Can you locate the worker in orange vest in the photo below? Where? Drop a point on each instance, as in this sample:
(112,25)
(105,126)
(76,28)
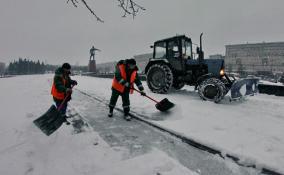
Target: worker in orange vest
(61,86)
(123,82)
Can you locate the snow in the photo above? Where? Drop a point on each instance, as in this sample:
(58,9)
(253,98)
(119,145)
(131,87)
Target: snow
(251,129)
(271,83)
(24,149)
(163,165)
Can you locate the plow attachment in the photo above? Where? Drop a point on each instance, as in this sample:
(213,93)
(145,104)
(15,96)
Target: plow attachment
(244,87)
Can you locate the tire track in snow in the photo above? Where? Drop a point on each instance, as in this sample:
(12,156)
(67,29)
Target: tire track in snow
(6,150)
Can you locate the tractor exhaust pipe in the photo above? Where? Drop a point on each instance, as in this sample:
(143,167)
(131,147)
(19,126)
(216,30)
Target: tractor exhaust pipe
(199,51)
(200,39)
(201,54)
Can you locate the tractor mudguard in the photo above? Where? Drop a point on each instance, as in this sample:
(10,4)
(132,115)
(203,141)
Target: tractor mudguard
(203,77)
(244,87)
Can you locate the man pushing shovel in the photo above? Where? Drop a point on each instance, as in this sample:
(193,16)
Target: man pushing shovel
(61,91)
(61,87)
(123,83)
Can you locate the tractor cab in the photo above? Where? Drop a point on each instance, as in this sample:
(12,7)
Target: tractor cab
(176,50)
(174,47)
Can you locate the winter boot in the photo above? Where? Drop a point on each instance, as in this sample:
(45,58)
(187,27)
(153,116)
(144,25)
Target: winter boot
(127,116)
(65,120)
(110,114)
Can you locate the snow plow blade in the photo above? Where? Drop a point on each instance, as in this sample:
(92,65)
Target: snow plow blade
(49,121)
(244,87)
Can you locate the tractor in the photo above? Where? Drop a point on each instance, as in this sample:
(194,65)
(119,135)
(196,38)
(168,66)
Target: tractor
(174,65)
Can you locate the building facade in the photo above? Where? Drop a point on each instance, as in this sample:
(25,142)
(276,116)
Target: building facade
(217,56)
(258,58)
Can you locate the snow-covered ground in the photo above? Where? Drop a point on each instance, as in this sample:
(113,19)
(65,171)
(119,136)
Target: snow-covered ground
(251,129)
(271,83)
(24,149)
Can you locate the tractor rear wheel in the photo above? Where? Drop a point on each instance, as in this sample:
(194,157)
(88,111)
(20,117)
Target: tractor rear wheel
(212,89)
(159,78)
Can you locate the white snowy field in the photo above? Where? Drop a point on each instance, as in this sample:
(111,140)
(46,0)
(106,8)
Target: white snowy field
(251,129)
(24,149)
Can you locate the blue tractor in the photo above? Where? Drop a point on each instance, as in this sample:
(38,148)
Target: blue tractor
(174,65)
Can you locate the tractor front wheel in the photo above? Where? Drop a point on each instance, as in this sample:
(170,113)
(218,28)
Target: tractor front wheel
(159,78)
(212,89)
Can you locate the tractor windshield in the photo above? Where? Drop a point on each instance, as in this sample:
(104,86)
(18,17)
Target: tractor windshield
(186,49)
(160,50)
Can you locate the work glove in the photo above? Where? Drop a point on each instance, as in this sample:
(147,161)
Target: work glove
(141,88)
(69,90)
(74,82)
(127,84)
(142,93)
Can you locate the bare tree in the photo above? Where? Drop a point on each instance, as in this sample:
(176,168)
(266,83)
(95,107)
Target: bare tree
(2,69)
(129,7)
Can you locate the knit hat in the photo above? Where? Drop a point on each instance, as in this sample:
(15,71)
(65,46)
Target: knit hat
(66,66)
(131,61)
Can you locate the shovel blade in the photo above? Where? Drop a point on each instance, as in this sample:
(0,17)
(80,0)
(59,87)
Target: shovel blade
(50,121)
(244,87)
(164,105)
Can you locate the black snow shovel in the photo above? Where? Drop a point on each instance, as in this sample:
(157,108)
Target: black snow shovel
(52,119)
(163,105)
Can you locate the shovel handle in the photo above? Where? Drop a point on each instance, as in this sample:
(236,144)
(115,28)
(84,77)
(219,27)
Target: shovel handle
(146,96)
(62,103)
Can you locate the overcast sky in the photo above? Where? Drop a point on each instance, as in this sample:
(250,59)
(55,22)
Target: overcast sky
(56,32)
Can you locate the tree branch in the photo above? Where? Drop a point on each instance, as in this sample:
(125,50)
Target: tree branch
(75,2)
(129,7)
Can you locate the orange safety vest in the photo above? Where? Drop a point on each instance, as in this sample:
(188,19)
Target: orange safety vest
(57,94)
(119,87)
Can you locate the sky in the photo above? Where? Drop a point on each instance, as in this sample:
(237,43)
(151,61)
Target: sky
(56,32)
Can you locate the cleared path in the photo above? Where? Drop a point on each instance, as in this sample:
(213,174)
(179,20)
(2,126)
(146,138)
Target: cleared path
(137,138)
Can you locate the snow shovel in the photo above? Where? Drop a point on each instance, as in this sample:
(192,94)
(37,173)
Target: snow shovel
(163,105)
(52,119)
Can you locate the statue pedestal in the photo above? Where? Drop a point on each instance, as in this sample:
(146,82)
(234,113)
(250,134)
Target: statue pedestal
(92,66)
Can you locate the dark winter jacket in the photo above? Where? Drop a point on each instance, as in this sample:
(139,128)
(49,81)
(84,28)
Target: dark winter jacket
(58,81)
(119,78)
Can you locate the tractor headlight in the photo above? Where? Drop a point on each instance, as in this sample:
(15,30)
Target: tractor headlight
(222,72)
